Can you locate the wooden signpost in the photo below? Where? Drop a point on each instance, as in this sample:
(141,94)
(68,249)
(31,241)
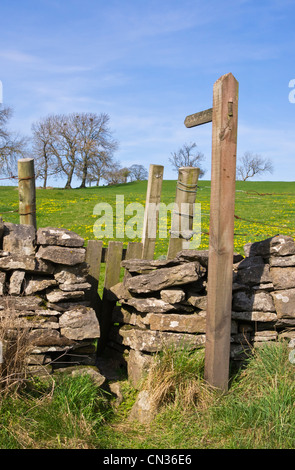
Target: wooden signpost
(224,116)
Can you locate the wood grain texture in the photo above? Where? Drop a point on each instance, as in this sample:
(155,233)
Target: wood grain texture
(222,204)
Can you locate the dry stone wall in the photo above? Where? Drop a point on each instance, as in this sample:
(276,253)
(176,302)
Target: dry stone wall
(164,302)
(44,287)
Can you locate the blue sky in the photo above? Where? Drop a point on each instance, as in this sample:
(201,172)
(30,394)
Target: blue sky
(148,64)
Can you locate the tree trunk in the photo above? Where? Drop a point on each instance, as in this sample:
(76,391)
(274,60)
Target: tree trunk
(84,176)
(69,180)
(45,174)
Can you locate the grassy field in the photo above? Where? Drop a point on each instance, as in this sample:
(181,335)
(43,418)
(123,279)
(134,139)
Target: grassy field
(265,209)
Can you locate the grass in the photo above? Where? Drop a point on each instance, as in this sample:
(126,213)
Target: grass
(257,412)
(268,208)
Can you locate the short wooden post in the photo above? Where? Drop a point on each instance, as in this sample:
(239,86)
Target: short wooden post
(185,194)
(27,192)
(221,239)
(93,258)
(151,214)
(112,277)
(134,251)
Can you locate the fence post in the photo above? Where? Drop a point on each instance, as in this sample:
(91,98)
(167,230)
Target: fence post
(112,277)
(151,213)
(93,258)
(27,192)
(134,251)
(185,194)
(221,238)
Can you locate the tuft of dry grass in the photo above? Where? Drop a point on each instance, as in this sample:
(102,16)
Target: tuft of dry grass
(15,349)
(176,377)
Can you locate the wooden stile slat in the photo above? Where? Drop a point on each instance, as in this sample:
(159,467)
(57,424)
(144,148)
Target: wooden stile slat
(151,214)
(185,194)
(134,251)
(112,277)
(93,259)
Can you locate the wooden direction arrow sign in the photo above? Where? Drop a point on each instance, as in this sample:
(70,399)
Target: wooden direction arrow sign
(198,119)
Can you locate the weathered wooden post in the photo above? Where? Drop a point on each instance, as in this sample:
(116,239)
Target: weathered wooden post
(93,258)
(221,232)
(224,116)
(151,214)
(134,251)
(183,213)
(27,192)
(112,277)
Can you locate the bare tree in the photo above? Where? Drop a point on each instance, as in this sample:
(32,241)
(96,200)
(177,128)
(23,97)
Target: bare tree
(78,144)
(186,156)
(96,143)
(116,174)
(253,164)
(43,140)
(56,137)
(12,145)
(138,173)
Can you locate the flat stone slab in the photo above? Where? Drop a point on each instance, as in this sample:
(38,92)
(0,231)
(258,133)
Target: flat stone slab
(16,281)
(138,365)
(152,341)
(71,274)
(143,266)
(155,305)
(2,283)
(254,316)
(38,284)
(284,301)
(280,245)
(182,323)
(12,262)
(172,296)
(165,277)
(20,303)
(202,256)
(283,278)
(58,236)
(58,295)
(75,371)
(48,338)
(198,301)
(249,301)
(19,239)
(62,255)
(80,323)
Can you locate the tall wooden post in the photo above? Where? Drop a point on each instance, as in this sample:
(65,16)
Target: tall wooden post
(93,258)
(112,277)
(221,239)
(151,214)
(27,192)
(185,194)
